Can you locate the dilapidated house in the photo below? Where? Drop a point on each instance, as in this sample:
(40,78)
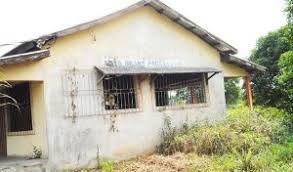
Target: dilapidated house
(102,89)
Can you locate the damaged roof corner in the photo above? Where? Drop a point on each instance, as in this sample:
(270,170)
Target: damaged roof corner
(24,57)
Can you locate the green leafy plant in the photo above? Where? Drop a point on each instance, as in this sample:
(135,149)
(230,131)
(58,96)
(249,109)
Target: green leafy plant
(285,80)
(232,91)
(266,89)
(37,153)
(235,144)
(212,139)
(107,166)
(169,144)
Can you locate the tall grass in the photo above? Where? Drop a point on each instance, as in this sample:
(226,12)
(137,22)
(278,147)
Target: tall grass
(240,142)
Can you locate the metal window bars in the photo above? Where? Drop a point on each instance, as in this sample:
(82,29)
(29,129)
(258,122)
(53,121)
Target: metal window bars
(173,90)
(119,92)
(84,95)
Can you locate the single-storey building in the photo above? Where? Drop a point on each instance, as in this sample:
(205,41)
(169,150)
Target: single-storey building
(102,89)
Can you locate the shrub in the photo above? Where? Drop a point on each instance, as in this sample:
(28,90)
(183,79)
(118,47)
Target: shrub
(37,153)
(276,157)
(264,122)
(169,144)
(210,139)
(107,166)
(227,162)
(245,141)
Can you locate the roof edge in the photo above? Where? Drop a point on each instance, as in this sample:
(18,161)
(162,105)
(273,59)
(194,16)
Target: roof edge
(118,70)
(24,57)
(249,66)
(161,8)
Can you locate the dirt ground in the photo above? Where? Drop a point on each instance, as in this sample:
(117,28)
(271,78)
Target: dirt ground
(178,162)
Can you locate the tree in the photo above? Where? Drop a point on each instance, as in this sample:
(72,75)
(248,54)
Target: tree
(266,89)
(232,91)
(289,11)
(285,80)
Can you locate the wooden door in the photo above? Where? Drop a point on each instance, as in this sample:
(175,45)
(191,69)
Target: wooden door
(3,141)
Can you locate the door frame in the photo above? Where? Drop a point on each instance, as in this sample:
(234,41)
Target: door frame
(3,133)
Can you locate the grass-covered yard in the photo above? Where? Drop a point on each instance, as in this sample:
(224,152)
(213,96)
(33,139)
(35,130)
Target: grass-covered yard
(245,141)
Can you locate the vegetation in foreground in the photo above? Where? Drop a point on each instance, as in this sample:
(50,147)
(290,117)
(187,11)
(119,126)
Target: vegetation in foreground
(245,141)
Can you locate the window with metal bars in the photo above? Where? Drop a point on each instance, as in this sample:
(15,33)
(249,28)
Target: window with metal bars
(119,92)
(179,89)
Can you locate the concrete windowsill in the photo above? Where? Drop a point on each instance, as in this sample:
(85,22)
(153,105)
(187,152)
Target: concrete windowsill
(21,133)
(190,106)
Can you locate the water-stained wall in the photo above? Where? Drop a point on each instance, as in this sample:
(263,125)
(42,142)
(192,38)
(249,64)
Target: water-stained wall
(141,34)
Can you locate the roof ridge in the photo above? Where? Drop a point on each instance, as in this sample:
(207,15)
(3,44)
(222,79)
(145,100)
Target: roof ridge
(158,6)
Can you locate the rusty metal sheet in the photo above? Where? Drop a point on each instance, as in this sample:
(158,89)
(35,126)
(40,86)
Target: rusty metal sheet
(25,57)
(108,70)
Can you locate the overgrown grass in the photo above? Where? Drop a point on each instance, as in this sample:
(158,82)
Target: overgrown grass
(258,141)
(245,141)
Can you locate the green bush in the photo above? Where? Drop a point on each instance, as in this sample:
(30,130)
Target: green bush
(169,144)
(245,141)
(107,166)
(276,157)
(212,139)
(227,162)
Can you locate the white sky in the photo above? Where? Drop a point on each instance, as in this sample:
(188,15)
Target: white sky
(238,22)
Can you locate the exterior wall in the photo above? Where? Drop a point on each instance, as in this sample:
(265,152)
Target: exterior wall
(22,145)
(141,34)
(31,71)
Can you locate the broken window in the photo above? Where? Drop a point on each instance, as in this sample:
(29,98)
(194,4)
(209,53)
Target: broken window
(20,119)
(179,89)
(119,92)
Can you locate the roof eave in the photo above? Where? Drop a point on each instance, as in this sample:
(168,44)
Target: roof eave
(215,42)
(222,46)
(163,9)
(249,66)
(24,57)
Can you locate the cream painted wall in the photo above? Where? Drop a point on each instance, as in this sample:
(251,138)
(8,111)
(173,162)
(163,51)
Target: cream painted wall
(22,145)
(141,34)
(30,71)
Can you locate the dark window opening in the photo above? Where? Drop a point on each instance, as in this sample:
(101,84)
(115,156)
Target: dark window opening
(119,92)
(20,119)
(179,89)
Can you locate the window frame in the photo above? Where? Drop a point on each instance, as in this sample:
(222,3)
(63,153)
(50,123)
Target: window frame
(138,99)
(22,133)
(183,106)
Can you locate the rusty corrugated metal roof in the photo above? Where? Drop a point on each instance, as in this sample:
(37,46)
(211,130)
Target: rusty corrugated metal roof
(160,7)
(24,57)
(112,70)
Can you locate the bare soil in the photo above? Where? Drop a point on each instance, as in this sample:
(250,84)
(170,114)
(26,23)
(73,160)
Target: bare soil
(178,162)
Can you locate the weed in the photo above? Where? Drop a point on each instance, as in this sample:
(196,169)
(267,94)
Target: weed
(107,166)
(37,153)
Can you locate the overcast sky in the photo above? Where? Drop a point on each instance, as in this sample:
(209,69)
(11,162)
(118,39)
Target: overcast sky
(238,22)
